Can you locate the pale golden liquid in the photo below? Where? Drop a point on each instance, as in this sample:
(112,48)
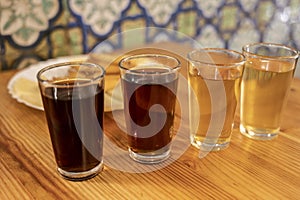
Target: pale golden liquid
(263,95)
(199,129)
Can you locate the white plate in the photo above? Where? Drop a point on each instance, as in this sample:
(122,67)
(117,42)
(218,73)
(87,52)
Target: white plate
(30,73)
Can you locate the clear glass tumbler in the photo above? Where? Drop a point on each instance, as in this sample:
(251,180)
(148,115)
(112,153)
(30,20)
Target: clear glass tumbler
(73,99)
(214,79)
(149,83)
(268,74)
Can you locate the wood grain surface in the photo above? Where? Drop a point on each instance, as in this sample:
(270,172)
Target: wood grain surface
(247,169)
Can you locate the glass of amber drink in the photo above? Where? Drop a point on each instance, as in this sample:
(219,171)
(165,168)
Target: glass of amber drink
(266,81)
(214,79)
(149,83)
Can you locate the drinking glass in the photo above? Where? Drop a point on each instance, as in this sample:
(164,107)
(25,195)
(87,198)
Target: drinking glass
(149,84)
(72,95)
(214,79)
(268,74)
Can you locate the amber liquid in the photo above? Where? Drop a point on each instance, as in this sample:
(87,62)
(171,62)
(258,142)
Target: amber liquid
(140,95)
(68,111)
(263,95)
(200,129)
(213,96)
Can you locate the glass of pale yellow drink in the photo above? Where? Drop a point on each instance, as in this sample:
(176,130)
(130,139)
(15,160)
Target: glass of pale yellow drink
(266,81)
(214,80)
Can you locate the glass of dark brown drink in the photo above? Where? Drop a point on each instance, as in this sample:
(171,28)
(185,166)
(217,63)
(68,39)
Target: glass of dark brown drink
(149,84)
(73,99)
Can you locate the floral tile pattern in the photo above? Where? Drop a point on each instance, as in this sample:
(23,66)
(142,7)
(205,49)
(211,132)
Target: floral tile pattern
(24,20)
(34,30)
(209,37)
(209,8)
(160,11)
(99,15)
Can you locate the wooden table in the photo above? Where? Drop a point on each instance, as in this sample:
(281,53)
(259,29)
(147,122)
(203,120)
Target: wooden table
(247,169)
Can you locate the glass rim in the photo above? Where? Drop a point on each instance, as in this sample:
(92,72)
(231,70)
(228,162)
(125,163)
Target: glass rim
(71,63)
(217,65)
(246,49)
(172,69)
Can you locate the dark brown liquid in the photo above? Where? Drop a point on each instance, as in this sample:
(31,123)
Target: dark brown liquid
(144,96)
(76,136)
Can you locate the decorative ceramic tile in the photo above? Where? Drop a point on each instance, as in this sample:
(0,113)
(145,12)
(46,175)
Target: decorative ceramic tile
(229,18)
(132,38)
(160,11)
(282,3)
(209,37)
(186,22)
(277,32)
(246,33)
(248,5)
(34,30)
(25,20)
(99,15)
(264,13)
(209,8)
